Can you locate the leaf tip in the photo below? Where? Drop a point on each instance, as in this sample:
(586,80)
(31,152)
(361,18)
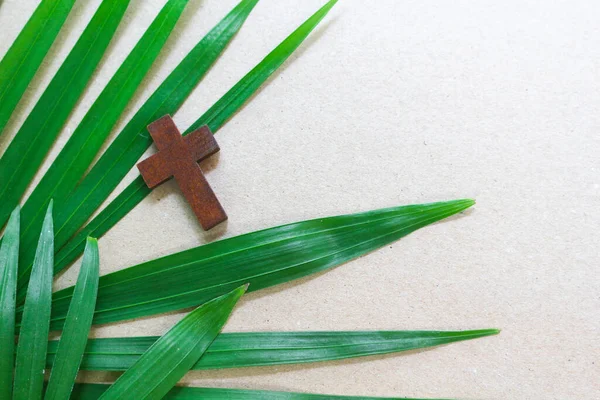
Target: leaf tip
(15,215)
(240,291)
(250,3)
(461,204)
(48,221)
(486,332)
(467,202)
(329,5)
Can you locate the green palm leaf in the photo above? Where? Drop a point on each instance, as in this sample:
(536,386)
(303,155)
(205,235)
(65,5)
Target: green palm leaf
(171,357)
(27,52)
(33,340)
(90,195)
(69,351)
(252,349)
(93,392)
(9,264)
(263,259)
(223,109)
(27,150)
(85,142)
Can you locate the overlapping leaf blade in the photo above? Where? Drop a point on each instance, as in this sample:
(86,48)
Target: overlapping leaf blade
(9,264)
(23,59)
(157,371)
(215,117)
(70,348)
(85,142)
(263,259)
(33,338)
(93,392)
(28,148)
(252,349)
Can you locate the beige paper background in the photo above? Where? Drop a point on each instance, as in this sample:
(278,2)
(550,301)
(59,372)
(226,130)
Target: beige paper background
(394,103)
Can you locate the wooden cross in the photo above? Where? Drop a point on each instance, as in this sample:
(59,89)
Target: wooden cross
(178,157)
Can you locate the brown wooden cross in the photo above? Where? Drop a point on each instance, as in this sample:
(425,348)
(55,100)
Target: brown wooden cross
(178,157)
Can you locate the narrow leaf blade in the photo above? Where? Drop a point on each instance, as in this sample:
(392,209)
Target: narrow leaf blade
(33,339)
(25,55)
(257,349)
(263,259)
(215,117)
(9,264)
(71,347)
(28,148)
(95,391)
(85,142)
(171,357)
(231,102)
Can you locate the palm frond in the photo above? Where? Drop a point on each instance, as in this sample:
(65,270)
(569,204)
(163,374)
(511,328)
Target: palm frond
(212,277)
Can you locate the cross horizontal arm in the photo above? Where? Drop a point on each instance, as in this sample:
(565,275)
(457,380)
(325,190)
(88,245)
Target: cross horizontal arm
(155,169)
(201,143)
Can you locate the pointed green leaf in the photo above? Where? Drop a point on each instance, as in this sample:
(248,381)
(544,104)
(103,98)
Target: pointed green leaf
(253,349)
(27,52)
(171,357)
(228,105)
(27,150)
(69,351)
(33,340)
(264,258)
(9,264)
(215,117)
(85,142)
(93,392)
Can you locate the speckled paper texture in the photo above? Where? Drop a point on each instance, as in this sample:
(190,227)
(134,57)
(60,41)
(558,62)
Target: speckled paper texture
(388,103)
